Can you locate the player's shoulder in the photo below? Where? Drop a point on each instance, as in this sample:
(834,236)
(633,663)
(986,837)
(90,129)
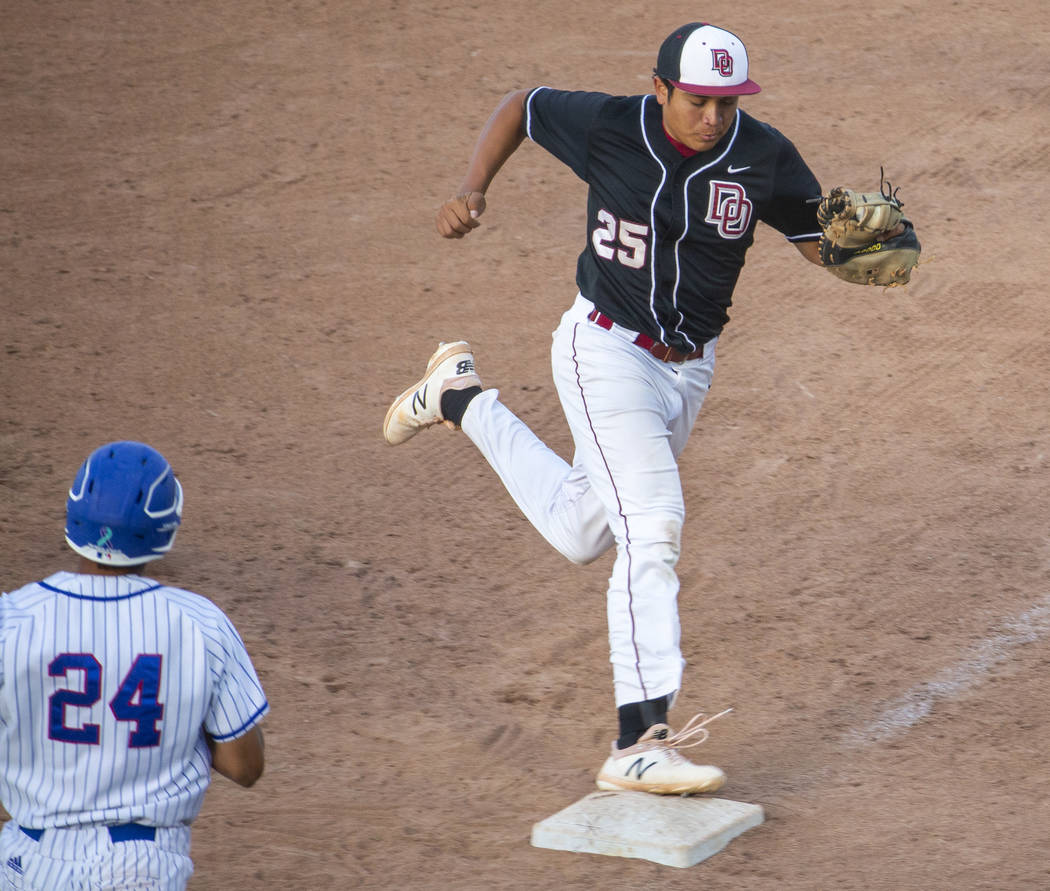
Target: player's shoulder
(760,143)
(185,596)
(550,94)
(204,617)
(576,101)
(753,129)
(22,604)
(33,592)
(196,607)
(17,594)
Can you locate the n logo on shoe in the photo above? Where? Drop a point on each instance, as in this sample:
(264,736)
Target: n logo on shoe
(419,400)
(465,366)
(637,768)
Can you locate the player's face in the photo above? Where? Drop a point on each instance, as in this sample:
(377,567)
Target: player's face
(696,121)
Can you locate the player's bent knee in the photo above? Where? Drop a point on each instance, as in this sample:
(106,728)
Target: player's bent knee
(581,556)
(582,552)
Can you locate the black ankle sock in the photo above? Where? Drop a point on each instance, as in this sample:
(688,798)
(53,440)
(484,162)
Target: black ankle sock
(637,717)
(455,402)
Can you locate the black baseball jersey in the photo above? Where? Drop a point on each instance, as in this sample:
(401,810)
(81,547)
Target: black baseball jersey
(667,234)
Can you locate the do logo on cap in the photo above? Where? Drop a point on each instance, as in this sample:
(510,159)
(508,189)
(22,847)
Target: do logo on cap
(707,61)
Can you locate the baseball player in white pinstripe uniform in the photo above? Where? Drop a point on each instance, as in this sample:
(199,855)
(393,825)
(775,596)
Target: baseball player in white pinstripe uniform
(118,695)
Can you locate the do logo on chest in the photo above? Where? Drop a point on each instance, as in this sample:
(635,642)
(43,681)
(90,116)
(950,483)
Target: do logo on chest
(729,208)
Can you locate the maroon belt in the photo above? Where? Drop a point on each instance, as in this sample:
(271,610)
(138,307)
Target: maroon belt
(662,351)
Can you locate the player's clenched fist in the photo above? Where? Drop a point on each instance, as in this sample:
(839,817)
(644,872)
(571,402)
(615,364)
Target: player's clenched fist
(459,215)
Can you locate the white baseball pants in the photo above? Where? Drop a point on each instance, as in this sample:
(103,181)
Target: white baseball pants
(630,415)
(87,859)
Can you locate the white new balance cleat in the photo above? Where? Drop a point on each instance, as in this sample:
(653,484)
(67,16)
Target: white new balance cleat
(450,368)
(654,764)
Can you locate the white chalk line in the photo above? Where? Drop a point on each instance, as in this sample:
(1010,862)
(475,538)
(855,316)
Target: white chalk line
(914,705)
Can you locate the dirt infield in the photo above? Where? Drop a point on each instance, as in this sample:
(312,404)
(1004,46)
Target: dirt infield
(216,235)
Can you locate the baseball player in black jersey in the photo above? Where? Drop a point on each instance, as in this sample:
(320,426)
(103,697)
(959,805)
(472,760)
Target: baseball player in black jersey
(678,180)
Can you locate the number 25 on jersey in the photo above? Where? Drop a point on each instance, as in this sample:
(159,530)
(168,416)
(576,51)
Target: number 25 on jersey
(630,236)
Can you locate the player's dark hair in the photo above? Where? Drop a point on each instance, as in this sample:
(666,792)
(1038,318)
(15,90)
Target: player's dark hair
(664,81)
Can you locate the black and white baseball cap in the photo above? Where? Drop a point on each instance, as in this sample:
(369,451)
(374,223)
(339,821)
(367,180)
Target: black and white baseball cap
(707,61)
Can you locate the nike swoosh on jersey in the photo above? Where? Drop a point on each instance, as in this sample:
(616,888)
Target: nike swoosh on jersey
(732,169)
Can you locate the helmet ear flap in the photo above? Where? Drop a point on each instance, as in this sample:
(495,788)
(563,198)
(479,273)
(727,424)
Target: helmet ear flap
(125,505)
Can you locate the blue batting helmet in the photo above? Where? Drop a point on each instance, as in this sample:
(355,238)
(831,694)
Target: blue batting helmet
(125,505)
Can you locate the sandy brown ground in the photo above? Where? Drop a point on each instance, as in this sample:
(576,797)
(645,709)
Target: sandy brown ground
(216,235)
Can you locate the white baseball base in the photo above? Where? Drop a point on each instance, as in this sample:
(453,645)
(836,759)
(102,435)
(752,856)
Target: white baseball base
(672,830)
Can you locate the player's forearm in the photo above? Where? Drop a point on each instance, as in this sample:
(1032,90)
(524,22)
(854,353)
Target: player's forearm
(240,759)
(499,139)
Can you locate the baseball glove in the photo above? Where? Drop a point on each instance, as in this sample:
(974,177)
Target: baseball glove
(866,238)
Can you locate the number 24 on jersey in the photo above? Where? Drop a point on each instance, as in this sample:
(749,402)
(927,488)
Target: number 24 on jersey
(135,700)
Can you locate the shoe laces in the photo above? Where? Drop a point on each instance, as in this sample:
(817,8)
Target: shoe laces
(694,732)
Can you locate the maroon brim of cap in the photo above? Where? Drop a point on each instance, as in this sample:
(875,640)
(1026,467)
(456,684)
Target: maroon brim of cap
(745,89)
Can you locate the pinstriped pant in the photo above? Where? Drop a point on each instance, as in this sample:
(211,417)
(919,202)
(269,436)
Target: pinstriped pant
(86,859)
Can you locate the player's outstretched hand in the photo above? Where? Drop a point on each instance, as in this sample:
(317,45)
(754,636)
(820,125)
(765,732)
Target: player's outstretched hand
(459,215)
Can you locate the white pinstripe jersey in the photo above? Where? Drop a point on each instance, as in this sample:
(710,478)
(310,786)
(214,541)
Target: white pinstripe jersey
(105,685)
